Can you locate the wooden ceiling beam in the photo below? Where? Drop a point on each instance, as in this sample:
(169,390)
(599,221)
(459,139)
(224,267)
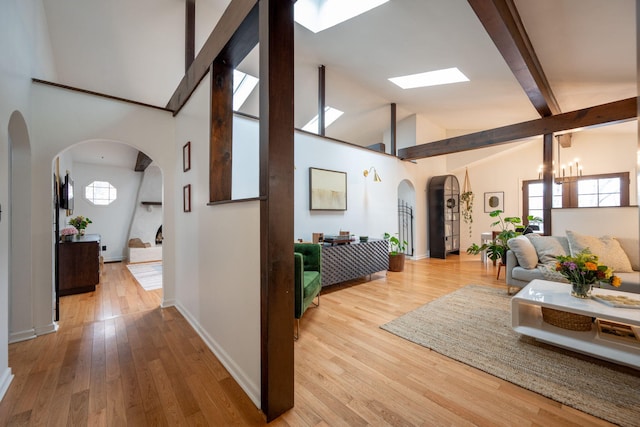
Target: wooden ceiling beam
(142,162)
(503,24)
(235,35)
(618,111)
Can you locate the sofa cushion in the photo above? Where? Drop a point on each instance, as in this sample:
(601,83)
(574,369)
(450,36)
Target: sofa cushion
(548,247)
(526,275)
(311,282)
(524,251)
(608,250)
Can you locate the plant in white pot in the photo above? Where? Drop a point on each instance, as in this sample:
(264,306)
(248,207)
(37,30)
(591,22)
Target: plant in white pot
(396,252)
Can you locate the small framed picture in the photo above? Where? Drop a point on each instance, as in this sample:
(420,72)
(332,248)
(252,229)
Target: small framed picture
(186,157)
(186,198)
(494,201)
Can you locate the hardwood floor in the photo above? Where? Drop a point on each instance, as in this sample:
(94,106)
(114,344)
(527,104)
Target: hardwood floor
(118,359)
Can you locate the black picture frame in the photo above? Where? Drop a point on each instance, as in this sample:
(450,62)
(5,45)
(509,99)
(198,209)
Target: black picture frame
(186,198)
(327,190)
(186,156)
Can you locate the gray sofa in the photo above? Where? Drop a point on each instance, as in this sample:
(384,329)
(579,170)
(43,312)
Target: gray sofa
(519,276)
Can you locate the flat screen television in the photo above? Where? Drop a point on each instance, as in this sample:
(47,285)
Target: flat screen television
(66,193)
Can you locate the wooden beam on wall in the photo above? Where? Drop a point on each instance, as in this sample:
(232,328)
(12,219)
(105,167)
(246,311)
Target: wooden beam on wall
(232,39)
(276,205)
(617,111)
(321,100)
(547,182)
(221,131)
(189,33)
(503,24)
(142,162)
(392,130)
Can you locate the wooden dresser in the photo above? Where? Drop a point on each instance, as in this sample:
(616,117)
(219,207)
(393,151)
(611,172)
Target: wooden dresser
(79,265)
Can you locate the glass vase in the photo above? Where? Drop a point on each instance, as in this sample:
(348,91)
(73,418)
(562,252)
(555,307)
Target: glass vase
(581,290)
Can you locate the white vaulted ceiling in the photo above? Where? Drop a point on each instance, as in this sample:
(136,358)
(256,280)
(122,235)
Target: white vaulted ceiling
(135,49)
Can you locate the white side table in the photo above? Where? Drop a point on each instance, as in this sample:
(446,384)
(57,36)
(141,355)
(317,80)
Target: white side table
(485,238)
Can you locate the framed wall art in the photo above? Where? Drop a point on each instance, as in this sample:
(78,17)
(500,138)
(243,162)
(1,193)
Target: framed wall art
(186,157)
(494,201)
(186,198)
(327,190)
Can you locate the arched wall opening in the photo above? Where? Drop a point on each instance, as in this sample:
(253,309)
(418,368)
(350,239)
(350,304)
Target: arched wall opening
(137,210)
(406,212)
(20,236)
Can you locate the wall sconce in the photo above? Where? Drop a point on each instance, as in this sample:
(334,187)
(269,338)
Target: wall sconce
(376,177)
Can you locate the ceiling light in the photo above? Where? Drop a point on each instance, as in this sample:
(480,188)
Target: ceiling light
(318,15)
(243,84)
(330,115)
(431,78)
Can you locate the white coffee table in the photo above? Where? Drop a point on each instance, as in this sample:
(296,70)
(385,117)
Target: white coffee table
(526,318)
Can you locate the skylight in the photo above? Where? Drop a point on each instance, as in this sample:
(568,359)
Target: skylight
(318,15)
(431,78)
(330,115)
(243,84)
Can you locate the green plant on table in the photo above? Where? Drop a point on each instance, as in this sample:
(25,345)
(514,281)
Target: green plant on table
(80,222)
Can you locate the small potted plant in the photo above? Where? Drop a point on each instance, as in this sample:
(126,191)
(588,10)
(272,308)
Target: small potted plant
(396,252)
(67,233)
(80,222)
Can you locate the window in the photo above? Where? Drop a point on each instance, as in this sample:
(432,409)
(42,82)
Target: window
(583,192)
(100,193)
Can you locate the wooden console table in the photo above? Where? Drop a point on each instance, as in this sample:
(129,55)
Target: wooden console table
(79,265)
(345,262)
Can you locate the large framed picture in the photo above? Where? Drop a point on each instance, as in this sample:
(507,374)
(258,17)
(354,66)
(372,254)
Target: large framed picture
(327,190)
(494,201)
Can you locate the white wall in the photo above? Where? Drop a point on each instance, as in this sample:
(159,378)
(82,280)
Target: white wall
(63,118)
(24,53)
(146,219)
(111,221)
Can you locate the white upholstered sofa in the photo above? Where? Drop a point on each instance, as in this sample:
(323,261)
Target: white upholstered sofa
(533,257)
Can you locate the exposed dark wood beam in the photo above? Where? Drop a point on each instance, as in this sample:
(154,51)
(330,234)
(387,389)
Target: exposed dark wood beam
(321,100)
(276,207)
(503,24)
(547,182)
(392,130)
(231,40)
(189,33)
(612,112)
(221,131)
(142,162)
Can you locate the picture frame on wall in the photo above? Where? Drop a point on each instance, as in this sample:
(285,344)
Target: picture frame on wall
(186,157)
(494,201)
(186,198)
(327,190)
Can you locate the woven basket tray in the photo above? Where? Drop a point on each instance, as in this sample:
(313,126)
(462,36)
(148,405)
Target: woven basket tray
(566,320)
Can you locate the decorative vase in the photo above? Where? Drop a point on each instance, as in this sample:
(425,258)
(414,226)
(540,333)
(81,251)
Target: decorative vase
(67,238)
(581,290)
(81,231)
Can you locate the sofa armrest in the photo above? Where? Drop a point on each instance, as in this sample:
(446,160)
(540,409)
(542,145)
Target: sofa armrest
(512,262)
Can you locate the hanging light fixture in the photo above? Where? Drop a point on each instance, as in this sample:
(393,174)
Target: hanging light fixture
(565,173)
(376,177)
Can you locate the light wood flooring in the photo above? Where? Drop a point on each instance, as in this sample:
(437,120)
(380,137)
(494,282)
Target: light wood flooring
(118,359)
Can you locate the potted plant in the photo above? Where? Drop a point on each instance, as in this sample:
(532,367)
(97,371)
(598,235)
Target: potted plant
(497,248)
(67,233)
(80,222)
(396,252)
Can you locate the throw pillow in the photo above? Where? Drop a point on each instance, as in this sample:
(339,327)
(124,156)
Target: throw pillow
(608,249)
(524,251)
(547,247)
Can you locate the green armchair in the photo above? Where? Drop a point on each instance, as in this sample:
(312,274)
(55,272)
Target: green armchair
(308,277)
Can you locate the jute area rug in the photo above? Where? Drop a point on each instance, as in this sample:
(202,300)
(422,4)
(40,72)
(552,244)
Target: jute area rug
(147,274)
(473,325)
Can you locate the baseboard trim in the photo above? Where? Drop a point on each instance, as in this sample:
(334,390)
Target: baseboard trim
(5,382)
(15,337)
(168,303)
(252,390)
(47,329)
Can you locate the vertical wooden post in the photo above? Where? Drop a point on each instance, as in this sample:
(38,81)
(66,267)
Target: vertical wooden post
(392,128)
(276,205)
(221,132)
(321,100)
(189,33)
(547,180)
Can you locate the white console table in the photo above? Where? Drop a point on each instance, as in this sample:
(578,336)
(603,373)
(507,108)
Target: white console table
(527,320)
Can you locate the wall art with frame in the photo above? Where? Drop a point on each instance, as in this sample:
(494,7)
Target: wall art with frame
(186,157)
(327,190)
(494,201)
(186,198)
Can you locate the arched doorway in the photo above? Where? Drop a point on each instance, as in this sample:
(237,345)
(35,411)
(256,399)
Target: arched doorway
(406,209)
(121,190)
(21,325)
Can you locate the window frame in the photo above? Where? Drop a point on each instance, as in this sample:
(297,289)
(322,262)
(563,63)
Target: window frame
(92,201)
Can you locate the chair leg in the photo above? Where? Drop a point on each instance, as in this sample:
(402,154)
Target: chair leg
(296,334)
(500,265)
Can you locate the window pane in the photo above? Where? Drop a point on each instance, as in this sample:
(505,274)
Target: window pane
(535,190)
(538,213)
(609,200)
(588,186)
(100,193)
(587,200)
(557,201)
(535,203)
(557,190)
(609,185)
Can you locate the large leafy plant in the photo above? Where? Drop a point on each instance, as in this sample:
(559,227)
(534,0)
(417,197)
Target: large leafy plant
(396,245)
